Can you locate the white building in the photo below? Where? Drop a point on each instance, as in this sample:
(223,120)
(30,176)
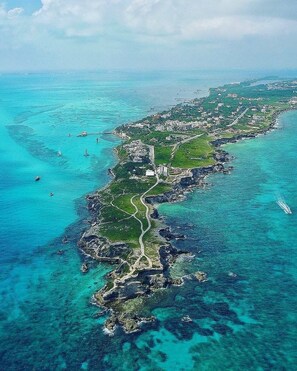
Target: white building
(149,173)
(162,170)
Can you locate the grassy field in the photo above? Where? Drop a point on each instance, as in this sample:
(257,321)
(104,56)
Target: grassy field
(123,202)
(162,154)
(135,186)
(214,115)
(126,230)
(195,153)
(160,189)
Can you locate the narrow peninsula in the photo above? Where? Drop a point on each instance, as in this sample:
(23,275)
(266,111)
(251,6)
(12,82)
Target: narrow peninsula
(160,158)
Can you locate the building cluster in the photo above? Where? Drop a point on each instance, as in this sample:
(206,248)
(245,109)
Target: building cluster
(213,115)
(176,125)
(221,114)
(284,85)
(161,170)
(137,151)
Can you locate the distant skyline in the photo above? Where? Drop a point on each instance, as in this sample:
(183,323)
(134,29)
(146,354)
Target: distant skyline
(40,35)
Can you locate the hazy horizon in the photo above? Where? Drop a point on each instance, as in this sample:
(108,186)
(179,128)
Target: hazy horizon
(48,35)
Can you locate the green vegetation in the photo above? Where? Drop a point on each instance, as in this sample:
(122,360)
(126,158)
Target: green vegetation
(123,202)
(127,185)
(196,153)
(122,153)
(122,231)
(160,189)
(162,154)
(170,144)
(128,168)
(156,154)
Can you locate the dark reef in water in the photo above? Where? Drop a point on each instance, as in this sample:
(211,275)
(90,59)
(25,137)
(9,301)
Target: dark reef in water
(146,281)
(138,274)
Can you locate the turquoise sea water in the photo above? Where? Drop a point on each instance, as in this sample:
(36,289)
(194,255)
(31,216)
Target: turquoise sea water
(46,318)
(239,228)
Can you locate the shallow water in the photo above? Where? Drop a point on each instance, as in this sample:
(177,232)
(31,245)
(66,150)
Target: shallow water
(239,228)
(45,312)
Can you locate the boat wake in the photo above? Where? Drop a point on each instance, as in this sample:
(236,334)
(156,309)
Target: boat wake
(284,206)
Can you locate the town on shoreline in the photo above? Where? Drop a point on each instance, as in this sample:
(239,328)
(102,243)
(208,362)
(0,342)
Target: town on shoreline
(160,158)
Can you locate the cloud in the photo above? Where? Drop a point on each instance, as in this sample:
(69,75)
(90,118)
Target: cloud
(76,18)
(206,20)
(8,14)
(111,30)
(158,20)
(14,12)
(11,26)
(229,28)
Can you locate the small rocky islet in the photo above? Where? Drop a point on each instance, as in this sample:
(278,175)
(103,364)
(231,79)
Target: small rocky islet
(161,158)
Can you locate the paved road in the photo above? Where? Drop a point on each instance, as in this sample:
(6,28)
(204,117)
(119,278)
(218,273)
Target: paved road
(238,118)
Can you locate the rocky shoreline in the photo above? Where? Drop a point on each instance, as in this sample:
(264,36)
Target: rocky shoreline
(147,280)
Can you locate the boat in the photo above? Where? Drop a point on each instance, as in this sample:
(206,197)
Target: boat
(86,154)
(285,207)
(59,154)
(37,178)
(83,134)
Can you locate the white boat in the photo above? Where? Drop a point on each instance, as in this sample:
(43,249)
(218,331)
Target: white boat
(282,204)
(83,134)
(59,153)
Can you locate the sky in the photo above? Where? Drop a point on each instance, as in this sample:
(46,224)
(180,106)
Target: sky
(147,34)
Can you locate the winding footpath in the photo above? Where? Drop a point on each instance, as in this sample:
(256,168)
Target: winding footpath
(149,224)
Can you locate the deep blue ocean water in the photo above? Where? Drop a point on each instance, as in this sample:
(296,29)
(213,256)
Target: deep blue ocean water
(234,225)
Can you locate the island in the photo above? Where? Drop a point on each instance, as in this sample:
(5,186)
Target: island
(160,159)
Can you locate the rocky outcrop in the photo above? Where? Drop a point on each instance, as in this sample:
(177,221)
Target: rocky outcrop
(126,282)
(129,324)
(155,214)
(121,287)
(159,199)
(169,235)
(144,281)
(99,248)
(235,138)
(194,180)
(94,204)
(201,276)
(222,156)
(168,255)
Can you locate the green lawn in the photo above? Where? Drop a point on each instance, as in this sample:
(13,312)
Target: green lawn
(160,189)
(195,153)
(134,186)
(126,230)
(162,154)
(123,202)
